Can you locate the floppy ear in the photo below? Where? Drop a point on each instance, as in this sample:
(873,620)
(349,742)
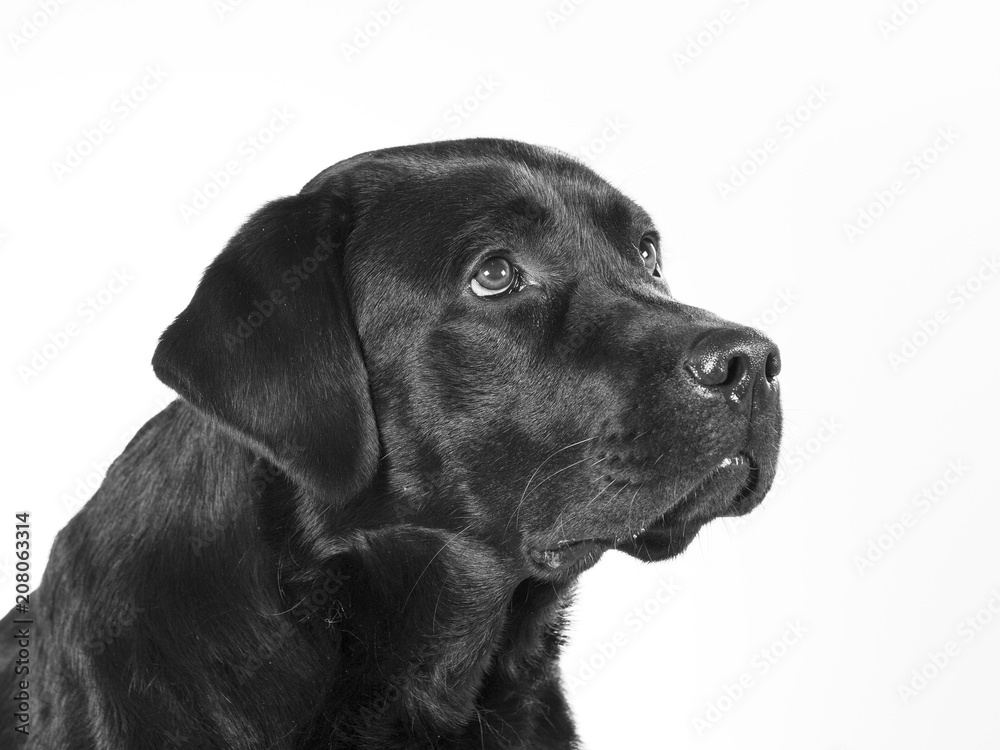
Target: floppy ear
(268,347)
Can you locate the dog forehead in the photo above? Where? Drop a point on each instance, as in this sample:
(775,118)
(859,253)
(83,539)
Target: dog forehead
(433,201)
(424,219)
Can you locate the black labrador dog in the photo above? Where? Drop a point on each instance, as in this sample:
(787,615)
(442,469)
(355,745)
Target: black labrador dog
(418,398)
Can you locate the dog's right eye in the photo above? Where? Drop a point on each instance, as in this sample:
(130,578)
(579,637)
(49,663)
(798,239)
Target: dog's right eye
(496,276)
(649,253)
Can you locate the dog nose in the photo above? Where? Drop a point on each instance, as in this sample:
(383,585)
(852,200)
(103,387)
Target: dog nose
(737,364)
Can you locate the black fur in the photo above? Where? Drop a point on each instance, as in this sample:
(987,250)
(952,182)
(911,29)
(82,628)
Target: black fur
(361,523)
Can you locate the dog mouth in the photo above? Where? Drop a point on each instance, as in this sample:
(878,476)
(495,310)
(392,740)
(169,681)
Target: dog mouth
(725,490)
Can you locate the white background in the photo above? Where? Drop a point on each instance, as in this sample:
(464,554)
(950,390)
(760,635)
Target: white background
(865,433)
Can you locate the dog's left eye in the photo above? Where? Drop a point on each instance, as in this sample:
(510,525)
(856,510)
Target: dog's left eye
(650,255)
(496,276)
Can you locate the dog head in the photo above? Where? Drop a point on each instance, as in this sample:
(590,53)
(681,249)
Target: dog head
(476,336)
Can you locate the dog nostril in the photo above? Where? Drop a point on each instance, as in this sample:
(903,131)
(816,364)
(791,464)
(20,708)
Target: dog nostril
(737,368)
(730,361)
(773,366)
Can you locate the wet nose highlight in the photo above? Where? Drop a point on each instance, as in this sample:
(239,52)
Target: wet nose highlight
(738,364)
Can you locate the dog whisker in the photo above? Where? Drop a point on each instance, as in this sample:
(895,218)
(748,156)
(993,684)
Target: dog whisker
(516,515)
(631,505)
(430,562)
(594,498)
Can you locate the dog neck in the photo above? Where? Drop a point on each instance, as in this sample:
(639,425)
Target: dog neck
(431,636)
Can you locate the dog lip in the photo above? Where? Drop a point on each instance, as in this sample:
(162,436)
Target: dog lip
(736,460)
(553,556)
(568,552)
(733,462)
(749,486)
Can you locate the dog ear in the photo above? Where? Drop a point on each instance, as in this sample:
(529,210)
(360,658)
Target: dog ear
(268,346)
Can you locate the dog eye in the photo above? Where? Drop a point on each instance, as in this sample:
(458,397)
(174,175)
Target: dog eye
(650,255)
(496,276)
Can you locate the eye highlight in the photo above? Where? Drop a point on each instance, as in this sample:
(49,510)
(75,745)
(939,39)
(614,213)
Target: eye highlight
(495,276)
(650,254)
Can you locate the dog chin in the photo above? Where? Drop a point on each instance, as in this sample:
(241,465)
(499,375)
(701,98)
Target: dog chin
(733,488)
(662,542)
